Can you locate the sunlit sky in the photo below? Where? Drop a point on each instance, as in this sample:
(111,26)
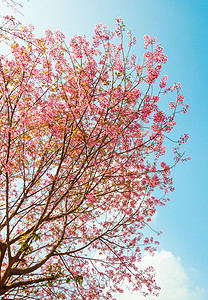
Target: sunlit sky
(181,27)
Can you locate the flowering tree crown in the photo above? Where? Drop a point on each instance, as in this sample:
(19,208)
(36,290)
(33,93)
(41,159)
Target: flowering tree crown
(82,136)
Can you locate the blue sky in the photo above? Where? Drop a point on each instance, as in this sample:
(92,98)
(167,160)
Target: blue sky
(181,27)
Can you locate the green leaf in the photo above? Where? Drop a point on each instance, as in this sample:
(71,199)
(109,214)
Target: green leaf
(79,279)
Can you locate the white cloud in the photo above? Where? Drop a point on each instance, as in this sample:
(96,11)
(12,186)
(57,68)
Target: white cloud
(171,277)
(154,218)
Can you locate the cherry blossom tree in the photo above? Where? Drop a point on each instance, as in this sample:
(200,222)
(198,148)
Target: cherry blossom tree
(82,140)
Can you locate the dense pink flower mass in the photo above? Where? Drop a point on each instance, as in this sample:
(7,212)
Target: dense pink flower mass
(82,141)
